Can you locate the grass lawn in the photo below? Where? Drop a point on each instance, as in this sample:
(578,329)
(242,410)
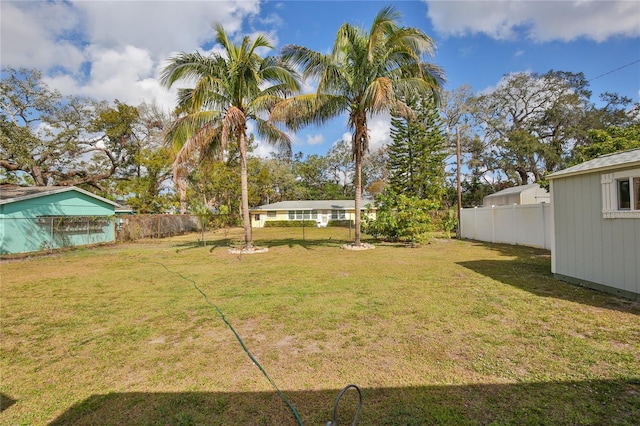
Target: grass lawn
(453,332)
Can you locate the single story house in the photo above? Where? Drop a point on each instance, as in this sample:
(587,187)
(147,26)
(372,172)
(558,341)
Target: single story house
(523,194)
(596,223)
(321,211)
(49,217)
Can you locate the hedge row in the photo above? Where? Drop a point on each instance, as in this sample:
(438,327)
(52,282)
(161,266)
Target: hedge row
(344,223)
(290,223)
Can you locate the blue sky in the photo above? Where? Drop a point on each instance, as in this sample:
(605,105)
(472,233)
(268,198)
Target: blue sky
(116,49)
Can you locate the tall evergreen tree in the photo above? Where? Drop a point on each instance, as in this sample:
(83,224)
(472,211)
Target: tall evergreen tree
(418,151)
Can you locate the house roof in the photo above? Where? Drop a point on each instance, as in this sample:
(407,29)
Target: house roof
(14,193)
(514,190)
(312,205)
(617,160)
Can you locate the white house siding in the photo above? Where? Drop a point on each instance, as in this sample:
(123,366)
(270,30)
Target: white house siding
(590,249)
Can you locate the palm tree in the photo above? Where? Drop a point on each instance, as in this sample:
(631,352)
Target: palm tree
(230,89)
(365,74)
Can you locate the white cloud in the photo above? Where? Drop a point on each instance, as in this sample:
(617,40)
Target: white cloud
(315,139)
(33,36)
(128,74)
(541,20)
(124,43)
(161,27)
(379,131)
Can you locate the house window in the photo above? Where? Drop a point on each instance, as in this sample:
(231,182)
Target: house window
(295,214)
(303,214)
(338,215)
(621,194)
(272,213)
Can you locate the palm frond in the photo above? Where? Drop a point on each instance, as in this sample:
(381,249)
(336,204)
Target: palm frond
(207,136)
(304,110)
(379,95)
(273,134)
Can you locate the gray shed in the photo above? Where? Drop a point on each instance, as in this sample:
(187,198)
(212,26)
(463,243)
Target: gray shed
(523,194)
(596,224)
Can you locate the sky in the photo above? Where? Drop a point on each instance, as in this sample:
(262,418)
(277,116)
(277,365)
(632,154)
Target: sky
(116,49)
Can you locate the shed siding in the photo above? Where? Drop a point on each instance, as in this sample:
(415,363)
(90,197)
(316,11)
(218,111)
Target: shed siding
(587,246)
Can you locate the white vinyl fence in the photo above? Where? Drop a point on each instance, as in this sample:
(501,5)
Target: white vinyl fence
(527,224)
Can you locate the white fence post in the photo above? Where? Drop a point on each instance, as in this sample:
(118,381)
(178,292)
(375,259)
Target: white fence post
(493,223)
(515,224)
(475,221)
(544,227)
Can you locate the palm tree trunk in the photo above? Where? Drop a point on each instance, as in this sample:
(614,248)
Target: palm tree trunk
(359,147)
(244,185)
(357,200)
(182,189)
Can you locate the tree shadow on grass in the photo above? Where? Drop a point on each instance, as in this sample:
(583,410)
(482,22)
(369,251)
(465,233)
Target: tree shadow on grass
(210,245)
(231,243)
(529,269)
(546,403)
(307,244)
(5,402)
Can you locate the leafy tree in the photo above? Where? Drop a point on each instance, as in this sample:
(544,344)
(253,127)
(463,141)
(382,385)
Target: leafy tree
(230,89)
(285,185)
(456,111)
(312,175)
(340,165)
(530,122)
(143,183)
(214,186)
(608,141)
(614,117)
(366,73)
(418,151)
(375,171)
(56,140)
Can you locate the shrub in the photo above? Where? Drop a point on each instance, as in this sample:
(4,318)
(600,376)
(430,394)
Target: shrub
(402,218)
(447,221)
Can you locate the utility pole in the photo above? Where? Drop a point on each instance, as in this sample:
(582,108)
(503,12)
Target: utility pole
(458,233)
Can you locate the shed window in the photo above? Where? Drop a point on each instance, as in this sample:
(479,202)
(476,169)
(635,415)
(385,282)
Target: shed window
(621,194)
(624,194)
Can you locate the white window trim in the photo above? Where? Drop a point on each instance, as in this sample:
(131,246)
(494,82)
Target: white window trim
(610,195)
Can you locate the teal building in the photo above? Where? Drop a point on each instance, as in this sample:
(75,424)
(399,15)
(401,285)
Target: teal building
(45,218)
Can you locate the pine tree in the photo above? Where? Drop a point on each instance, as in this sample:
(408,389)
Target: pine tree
(417,153)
